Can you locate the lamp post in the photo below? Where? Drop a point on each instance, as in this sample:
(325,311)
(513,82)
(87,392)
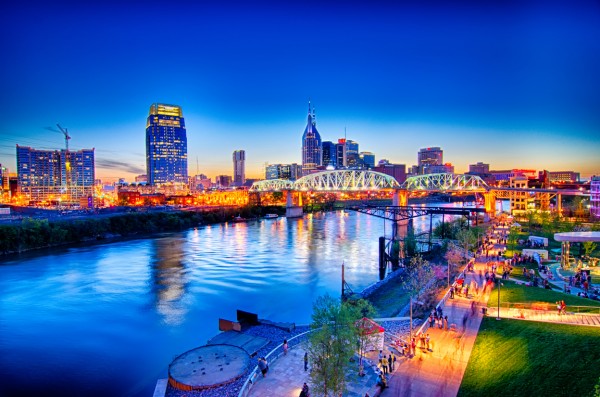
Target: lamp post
(498,318)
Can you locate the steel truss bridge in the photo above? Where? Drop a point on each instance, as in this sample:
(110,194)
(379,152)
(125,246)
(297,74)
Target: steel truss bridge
(445,183)
(364,180)
(331,181)
(403,213)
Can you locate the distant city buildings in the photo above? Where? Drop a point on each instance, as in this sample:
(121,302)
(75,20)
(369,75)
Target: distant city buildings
(329,154)
(398,171)
(341,151)
(55,175)
(551,177)
(312,149)
(352,156)
(428,157)
(223,181)
(503,176)
(479,168)
(283,171)
(239,167)
(595,197)
(482,170)
(367,160)
(166,145)
(141,178)
(518,200)
(440,169)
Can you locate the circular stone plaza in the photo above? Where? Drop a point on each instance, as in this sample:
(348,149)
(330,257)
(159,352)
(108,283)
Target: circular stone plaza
(207,367)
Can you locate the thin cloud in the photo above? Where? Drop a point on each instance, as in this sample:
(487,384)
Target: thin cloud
(119,165)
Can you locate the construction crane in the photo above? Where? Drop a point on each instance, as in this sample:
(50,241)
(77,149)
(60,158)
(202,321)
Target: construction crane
(67,137)
(67,161)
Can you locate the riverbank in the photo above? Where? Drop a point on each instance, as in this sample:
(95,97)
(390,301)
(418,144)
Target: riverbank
(54,229)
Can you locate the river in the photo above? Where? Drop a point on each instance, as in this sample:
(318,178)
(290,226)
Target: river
(108,319)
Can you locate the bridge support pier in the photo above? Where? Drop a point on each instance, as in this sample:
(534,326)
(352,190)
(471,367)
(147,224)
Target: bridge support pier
(490,204)
(291,210)
(400,198)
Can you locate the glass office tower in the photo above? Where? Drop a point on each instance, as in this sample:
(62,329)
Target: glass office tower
(166,145)
(312,155)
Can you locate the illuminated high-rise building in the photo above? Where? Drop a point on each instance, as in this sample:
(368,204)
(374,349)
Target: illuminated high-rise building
(428,157)
(239,167)
(329,157)
(55,175)
(166,145)
(352,154)
(312,149)
(367,160)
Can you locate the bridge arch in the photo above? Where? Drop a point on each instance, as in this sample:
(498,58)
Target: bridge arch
(445,183)
(346,180)
(272,185)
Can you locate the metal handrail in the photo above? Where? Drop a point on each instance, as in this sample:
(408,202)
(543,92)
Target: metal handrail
(248,384)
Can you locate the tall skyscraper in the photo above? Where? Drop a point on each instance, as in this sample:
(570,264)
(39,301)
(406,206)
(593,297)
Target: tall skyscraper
(340,153)
(428,157)
(239,167)
(312,149)
(166,145)
(352,156)
(329,157)
(55,175)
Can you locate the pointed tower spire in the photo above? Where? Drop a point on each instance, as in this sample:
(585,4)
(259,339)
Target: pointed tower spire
(314,116)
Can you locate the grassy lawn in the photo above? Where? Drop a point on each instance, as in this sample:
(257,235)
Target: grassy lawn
(521,358)
(389,299)
(510,292)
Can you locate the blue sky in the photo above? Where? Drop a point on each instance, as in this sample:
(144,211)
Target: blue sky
(514,84)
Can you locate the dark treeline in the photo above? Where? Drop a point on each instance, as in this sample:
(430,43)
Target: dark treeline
(42,233)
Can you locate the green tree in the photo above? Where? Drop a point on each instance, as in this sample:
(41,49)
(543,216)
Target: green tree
(513,236)
(467,239)
(410,243)
(416,280)
(453,256)
(443,230)
(362,309)
(589,247)
(530,216)
(331,345)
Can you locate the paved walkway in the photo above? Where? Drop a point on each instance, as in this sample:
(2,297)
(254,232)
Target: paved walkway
(439,372)
(286,376)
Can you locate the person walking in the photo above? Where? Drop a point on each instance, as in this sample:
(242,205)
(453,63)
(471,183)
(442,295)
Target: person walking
(263,366)
(392,361)
(285,347)
(305,391)
(384,365)
(305,361)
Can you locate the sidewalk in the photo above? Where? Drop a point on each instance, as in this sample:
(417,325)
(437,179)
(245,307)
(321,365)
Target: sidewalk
(440,372)
(286,376)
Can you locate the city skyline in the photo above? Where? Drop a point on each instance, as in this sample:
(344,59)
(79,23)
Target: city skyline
(512,85)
